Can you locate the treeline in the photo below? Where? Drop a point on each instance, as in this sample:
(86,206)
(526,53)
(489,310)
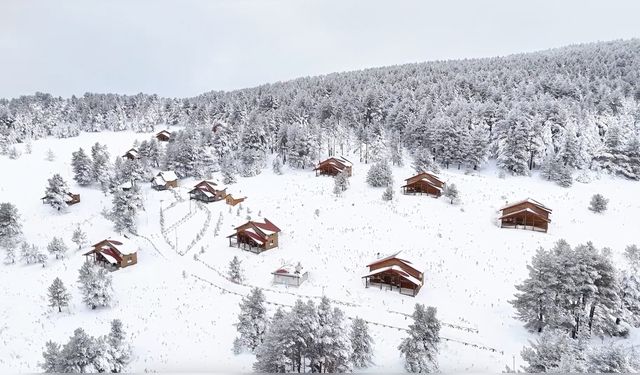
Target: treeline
(576,106)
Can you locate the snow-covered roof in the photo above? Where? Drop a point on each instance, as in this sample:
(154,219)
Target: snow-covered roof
(124,247)
(133,152)
(528,200)
(290,270)
(166,132)
(398,270)
(157,180)
(109,258)
(344,161)
(168,175)
(528,210)
(126,185)
(255,236)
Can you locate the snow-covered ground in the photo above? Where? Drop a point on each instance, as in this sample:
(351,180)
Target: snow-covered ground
(179,310)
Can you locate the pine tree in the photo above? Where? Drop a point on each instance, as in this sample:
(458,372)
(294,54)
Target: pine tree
(380,174)
(612,358)
(39,256)
(118,350)
(50,155)
(101,166)
(252,320)
(235,270)
(52,358)
(56,192)
(58,295)
(10,255)
(10,227)
(57,247)
(632,256)
(420,349)
(341,181)
(277,165)
(423,161)
(95,285)
(598,203)
(79,237)
(14,153)
(330,347)
(125,209)
(78,355)
(451,192)
(547,354)
(274,354)
(361,344)
(477,150)
(82,168)
(388,193)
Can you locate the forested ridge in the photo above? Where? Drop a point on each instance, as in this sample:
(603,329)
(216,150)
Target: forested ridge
(571,108)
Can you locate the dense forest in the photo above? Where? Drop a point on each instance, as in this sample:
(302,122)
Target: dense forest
(560,110)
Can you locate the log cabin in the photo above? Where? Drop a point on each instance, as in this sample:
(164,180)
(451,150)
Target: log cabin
(208,191)
(255,236)
(289,275)
(163,136)
(424,183)
(114,253)
(165,180)
(525,214)
(231,201)
(395,272)
(333,166)
(132,154)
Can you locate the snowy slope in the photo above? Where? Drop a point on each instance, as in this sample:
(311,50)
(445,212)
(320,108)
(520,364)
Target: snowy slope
(185,323)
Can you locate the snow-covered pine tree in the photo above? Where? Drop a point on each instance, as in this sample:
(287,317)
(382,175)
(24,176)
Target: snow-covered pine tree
(10,255)
(451,192)
(228,168)
(514,156)
(277,165)
(14,153)
(253,152)
(79,237)
(39,256)
(57,247)
(476,154)
(50,155)
(612,358)
(423,161)
(563,174)
(235,273)
(125,209)
(598,203)
(395,150)
(274,354)
(58,295)
(380,174)
(95,285)
(52,358)
(330,345)
(10,227)
(361,344)
(78,355)
(252,320)
(118,349)
(632,256)
(341,181)
(420,349)
(56,192)
(549,351)
(388,193)
(101,167)
(82,168)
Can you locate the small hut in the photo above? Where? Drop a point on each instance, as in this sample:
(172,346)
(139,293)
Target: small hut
(163,136)
(333,166)
(255,236)
(424,183)
(525,214)
(208,191)
(289,275)
(395,272)
(69,198)
(132,154)
(231,201)
(165,180)
(116,253)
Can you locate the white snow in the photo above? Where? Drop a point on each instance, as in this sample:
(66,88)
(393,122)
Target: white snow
(470,264)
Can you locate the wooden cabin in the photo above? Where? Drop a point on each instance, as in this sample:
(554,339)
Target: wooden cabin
(255,236)
(395,272)
(163,136)
(208,191)
(333,166)
(69,198)
(231,201)
(424,183)
(132,154)
(114,253)
(525,214)
(165,180)
(289,275)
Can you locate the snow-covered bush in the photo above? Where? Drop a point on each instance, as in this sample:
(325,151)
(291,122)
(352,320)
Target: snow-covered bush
(380,174)
(598,203)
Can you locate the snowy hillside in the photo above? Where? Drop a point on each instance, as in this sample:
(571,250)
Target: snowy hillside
(180,310)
